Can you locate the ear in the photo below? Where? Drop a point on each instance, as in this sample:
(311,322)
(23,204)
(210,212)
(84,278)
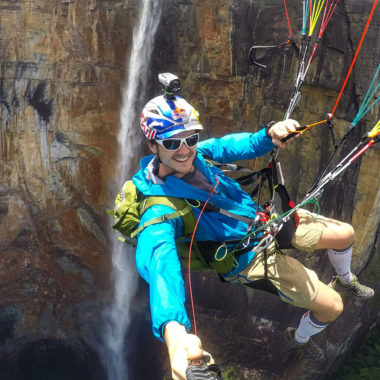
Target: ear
(152,147)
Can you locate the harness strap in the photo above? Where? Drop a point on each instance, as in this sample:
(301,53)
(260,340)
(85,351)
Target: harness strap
(211,207)
(183,210)
(265,264)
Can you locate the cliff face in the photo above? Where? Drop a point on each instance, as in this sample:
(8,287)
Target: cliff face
(62,68)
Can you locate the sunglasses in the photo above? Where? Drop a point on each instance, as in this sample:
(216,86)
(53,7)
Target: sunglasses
(175,144)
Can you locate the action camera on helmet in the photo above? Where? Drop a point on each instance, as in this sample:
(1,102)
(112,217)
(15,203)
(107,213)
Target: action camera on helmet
(171,83)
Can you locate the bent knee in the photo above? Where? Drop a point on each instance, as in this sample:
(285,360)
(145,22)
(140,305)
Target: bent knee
(349,234)
(336,306)
(328,305)
(346,237)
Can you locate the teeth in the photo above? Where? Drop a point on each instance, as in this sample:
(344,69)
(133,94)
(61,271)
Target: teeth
(182,158)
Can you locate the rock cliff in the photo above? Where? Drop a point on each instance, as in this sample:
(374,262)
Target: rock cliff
(62,68)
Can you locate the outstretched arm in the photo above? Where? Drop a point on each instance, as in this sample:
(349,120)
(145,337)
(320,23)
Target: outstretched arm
(158,263)
(242,146)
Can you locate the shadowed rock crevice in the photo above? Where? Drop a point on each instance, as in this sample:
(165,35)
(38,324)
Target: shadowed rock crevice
(36,98)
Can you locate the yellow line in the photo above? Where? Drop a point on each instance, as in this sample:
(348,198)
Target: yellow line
(319,122)
(315,15)
(375,130)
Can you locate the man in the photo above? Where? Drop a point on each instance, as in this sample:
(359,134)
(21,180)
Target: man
(178,169)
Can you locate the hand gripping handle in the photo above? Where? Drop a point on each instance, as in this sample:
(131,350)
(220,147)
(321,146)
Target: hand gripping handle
(290,135)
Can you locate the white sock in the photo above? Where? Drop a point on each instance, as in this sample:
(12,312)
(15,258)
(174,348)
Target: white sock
(341,261)
(308,326)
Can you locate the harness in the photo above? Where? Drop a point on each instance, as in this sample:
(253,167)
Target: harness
(279,200)
(206,255)
(131,204)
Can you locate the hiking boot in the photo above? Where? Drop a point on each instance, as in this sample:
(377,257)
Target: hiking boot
(307,350)
(354,287)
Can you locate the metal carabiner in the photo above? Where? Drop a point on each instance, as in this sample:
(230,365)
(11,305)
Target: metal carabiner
(252,51)
(252,54)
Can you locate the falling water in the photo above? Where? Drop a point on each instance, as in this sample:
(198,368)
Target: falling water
(128,138)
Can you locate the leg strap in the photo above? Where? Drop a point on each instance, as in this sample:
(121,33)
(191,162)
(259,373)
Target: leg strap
(264,285)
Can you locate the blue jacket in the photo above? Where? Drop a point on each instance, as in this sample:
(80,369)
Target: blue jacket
(156,255)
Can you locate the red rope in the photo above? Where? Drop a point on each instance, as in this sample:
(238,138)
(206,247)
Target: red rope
(322,29)
(327,14)
(190,248)
(287,18)
(362,150)
(355,56)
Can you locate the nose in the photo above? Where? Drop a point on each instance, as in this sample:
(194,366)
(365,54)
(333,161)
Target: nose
(183,149)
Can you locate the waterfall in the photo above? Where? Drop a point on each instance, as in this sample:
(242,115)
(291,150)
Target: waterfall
(129,140)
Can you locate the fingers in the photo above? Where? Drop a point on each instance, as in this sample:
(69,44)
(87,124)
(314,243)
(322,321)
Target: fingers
(281,130)
(208,358)
(193,347)
(286,127)
(292,125)
(183,347)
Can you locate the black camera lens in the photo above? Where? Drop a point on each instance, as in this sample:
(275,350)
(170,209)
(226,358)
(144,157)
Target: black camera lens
(175,85)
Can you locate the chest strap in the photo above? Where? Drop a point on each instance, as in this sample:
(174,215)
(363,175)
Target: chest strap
(183,210)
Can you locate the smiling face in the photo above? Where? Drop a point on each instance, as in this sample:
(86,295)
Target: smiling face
(178,162)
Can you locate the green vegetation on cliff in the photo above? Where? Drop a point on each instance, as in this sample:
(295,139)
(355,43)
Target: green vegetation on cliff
(363,363)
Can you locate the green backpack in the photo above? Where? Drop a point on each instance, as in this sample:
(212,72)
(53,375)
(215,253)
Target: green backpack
(130,205)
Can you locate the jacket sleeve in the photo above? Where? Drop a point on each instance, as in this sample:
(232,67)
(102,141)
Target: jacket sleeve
(236,146)
(158,263)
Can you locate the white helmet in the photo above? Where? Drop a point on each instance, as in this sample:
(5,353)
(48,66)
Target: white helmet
(163,118)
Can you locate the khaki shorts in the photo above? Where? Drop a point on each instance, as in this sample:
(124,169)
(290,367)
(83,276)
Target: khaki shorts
(295,283)
(309,231)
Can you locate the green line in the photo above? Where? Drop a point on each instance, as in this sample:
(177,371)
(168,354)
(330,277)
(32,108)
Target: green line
(367,98)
